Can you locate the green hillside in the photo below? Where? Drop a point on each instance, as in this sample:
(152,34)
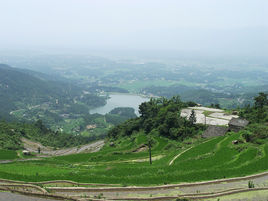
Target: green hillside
(177,155)
(11,134)
(25,96)
(120,164)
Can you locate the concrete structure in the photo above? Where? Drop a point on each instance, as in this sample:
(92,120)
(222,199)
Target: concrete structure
(236,124)
(213,131)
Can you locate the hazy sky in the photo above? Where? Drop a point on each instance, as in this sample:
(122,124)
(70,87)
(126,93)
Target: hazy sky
(187,25)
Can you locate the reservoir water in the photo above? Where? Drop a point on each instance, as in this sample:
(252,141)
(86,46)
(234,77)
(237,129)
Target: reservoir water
(120,100)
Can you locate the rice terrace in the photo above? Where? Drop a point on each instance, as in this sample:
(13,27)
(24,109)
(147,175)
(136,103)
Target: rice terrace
(196,168)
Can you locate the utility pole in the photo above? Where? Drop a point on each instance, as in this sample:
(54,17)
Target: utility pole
(150,151)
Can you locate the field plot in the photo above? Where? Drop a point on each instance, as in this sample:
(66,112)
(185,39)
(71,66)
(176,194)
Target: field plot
(111,172)
(209,116)
(8,154)
(126,162)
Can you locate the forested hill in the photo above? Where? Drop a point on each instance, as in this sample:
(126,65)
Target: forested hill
(24,91)
(11,134)
(231,99)
(20,85)
(160,117)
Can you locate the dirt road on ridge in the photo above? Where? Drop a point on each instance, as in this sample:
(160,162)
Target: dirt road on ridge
(33,147)
(49,152)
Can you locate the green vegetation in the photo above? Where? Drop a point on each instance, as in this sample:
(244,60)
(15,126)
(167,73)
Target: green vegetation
(11,134)
(8,154)
(124,159)
(199,95)
(257,131)
(160,116)
(119,115)
(136,86)
(229,83)
(258,113)
(119,162)
(250,184)
(27,97)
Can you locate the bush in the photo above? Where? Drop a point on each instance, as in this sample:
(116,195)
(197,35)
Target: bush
(250,184)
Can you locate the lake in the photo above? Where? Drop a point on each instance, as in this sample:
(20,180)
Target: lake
(120,100)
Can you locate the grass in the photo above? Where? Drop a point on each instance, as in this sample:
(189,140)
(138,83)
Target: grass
(8,154)
(210,159)
(207,113)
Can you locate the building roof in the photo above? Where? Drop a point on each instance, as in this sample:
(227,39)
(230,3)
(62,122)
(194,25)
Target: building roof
(238,122)
(213,131)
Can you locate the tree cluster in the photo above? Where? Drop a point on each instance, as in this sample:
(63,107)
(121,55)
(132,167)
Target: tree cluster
(257,131)
(258,113)
(11,134)
(161,116)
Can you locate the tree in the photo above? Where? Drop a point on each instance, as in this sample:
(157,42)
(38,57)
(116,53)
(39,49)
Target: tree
(261,100)
(192,117)
(41,126)
(148,125)
(217,105)
(163,116)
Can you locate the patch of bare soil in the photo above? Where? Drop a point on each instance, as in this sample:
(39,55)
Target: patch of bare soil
(141,148)
(48,151)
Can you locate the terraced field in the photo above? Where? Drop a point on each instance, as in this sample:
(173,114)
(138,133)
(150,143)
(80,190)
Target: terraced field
(8,154)
(126,162)
(111,172)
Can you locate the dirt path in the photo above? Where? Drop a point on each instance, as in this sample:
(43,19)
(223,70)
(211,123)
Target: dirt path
(49,152)
(7,196)
(190,189)
(33,147)
(22,159)
(172,161)
(198,190)
(175,157)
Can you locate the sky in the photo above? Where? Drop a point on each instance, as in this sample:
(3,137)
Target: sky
(223,26)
